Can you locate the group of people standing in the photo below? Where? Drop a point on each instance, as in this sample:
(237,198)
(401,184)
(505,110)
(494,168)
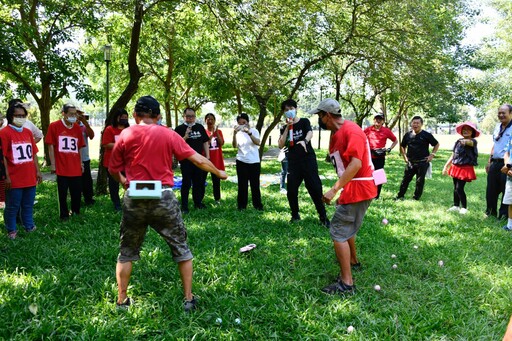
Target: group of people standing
(129,156)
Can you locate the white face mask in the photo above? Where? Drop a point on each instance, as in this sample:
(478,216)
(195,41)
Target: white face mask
(19,121)
(71,120)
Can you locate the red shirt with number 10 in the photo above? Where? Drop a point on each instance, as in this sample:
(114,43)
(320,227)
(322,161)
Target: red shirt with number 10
(19,149)
(66,147)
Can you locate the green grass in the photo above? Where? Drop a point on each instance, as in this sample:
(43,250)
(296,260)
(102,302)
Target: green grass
(67,271)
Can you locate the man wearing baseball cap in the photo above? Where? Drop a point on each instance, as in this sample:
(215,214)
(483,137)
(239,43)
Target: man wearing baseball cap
(350,156)
(134,153)
(377,136)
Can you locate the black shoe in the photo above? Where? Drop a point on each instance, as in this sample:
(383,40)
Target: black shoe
(415,198)
(259,208)
(356,266)
(325,222)
(339,287)
(125,305)
(295,219)
(200,206)
(190,305)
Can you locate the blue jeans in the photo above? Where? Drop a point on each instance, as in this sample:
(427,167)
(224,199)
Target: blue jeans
(19,199)
(284,172)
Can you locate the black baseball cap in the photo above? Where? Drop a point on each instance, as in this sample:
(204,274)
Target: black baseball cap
(379,116)
(148,104)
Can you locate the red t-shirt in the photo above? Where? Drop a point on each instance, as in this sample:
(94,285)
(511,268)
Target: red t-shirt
(66,147)
(377,138)
(19,150)
(110,135)
(216,156)
(348,142)
(145,152)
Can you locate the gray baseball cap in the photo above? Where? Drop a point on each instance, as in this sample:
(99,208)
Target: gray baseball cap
(327,105)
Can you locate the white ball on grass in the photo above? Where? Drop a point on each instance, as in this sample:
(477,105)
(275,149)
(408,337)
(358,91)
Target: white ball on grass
(238,321)
(440,263)
(218,320)
(350,329)
(394,266)
(376,287)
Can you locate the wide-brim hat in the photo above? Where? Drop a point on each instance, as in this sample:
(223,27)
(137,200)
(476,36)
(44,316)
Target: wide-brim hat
(459,127)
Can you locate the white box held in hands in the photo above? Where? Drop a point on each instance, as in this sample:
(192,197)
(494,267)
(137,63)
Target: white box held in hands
(145,189)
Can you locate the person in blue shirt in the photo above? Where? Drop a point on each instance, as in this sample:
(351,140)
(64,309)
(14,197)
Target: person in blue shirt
(495,178)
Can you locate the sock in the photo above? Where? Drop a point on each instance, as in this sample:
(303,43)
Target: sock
(509,224)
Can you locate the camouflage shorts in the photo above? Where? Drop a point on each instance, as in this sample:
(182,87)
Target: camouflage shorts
(163,216)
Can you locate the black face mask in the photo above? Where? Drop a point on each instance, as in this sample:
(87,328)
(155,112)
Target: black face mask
(123,121)
(321,124)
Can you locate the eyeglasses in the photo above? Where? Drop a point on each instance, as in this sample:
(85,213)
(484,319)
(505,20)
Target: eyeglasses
(190,116)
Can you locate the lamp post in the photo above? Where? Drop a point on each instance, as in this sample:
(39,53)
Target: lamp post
(107,50)
(320,129)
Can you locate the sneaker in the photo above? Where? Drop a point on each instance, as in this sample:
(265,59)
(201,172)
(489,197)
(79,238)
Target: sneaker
(325,222)
(339,287)
(356,266)
(31,229)
(453,209)
(12,235)
(189,305)
(295,219)
(125,305)
(283,191)
(463,211)
(507,228)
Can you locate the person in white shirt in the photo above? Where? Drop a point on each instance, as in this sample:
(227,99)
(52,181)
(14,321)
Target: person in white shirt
(248,164)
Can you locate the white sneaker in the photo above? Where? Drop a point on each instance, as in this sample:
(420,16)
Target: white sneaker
(463,211)
(283,191)
(454,209)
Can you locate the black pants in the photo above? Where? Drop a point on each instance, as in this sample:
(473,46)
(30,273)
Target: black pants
(87,184)
(74,184)
(459,195)
(419,170)
(248,173)
(216,187)
(306,170)
(496,181)
(378,163)
(193,177)
(113,190)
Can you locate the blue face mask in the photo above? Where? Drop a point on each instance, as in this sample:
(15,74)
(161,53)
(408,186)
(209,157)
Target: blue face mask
(159,122)
(290,113)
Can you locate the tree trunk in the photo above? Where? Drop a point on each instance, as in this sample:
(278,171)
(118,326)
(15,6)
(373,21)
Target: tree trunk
(129,91)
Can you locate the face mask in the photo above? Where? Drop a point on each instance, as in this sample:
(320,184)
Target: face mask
(159,122)
(321,124)
(290,113)
(71,120)
(123,121)
(19,121)
(190,124)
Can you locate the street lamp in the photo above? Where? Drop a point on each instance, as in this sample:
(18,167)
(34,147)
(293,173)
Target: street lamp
(107,50)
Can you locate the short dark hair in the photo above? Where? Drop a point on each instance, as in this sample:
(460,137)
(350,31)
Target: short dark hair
(243,116)
(10,112)
(417,118)
(147,106)
(67,106)
(14,101)
(210,114)
(288,103)
(188,108)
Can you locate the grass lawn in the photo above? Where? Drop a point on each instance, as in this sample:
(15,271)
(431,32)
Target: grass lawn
(59,282)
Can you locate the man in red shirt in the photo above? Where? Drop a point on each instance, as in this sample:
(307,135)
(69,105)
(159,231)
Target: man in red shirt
(134,153)
(377,136)
(351,158)
(65,140)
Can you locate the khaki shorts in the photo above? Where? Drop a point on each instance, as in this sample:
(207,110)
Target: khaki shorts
(507,197)
(163,215)
(347,220)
